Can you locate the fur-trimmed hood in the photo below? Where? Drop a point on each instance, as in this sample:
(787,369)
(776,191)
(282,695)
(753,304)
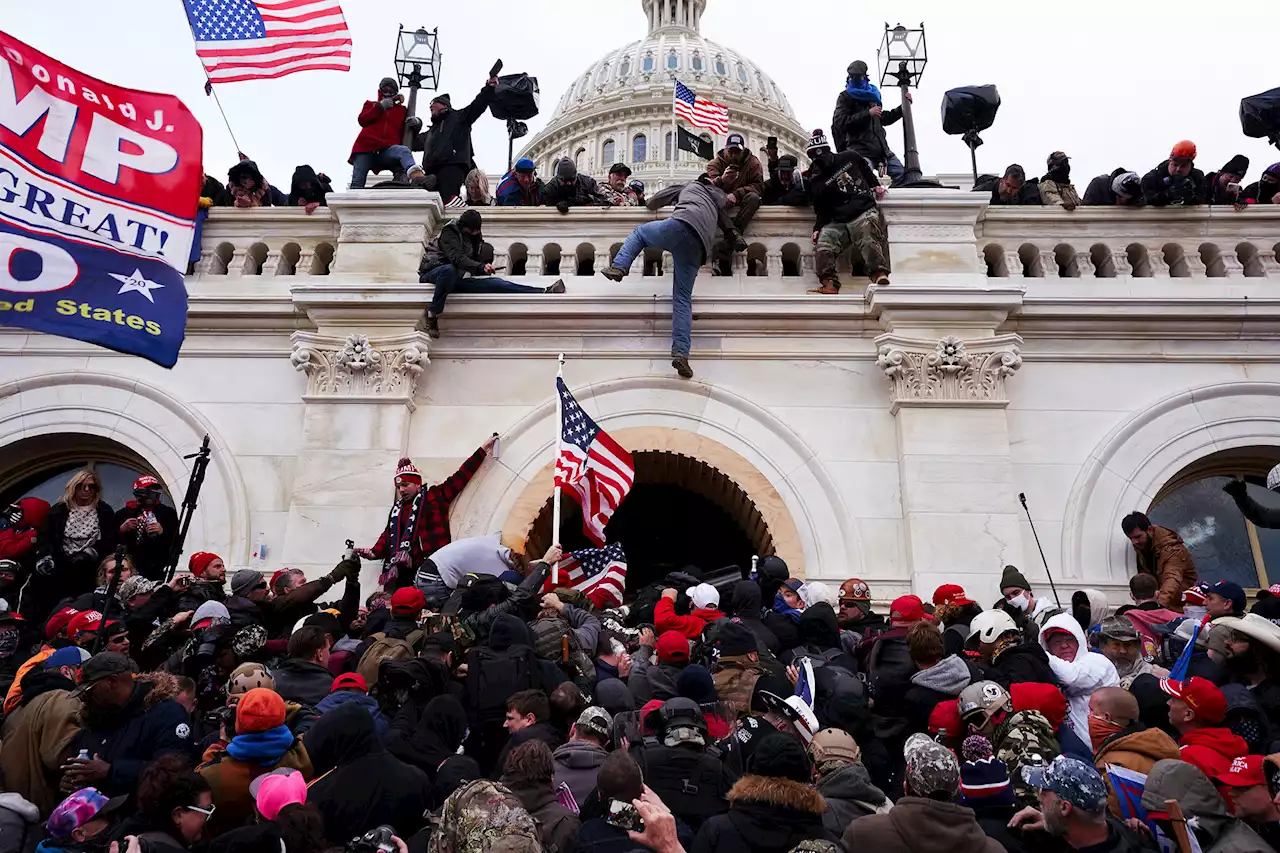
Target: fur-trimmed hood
(164,685)
(776,792)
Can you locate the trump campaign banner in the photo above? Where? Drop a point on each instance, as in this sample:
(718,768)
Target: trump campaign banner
(99,187)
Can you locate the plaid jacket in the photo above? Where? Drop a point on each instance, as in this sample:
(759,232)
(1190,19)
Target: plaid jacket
(433,519)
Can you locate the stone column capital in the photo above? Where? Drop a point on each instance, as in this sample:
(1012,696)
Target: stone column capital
(948,371)
(359,370)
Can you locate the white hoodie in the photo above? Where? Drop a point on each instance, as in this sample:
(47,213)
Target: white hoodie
(1079,678)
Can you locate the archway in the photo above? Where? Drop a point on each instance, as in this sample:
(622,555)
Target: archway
(680,512)
(39,466)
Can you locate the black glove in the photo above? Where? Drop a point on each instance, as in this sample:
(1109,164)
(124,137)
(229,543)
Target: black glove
(45,565)
(1236,488)
(562,206)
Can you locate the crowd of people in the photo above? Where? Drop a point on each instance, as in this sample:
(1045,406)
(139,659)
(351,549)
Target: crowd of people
(472,704)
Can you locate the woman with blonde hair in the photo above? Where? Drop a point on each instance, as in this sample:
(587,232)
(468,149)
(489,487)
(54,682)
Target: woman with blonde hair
(80,531)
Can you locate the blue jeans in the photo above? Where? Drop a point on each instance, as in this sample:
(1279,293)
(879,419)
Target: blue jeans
(670,235)
(397,158)
(893,166)
(447,280)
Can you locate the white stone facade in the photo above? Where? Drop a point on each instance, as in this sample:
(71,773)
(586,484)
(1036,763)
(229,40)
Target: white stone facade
(1081,358)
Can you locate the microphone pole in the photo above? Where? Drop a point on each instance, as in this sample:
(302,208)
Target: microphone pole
(1023,498)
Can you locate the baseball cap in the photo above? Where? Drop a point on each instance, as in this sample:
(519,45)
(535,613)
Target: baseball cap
(58,622)
(1184,150)
(1195,594)
(1233,592)
(620,169)
(1071,779)
(735,140)
(1274,589)
(1118,628)
(1245,772)
(672,647)
(1057,157)
(524,164)
(408,601)
(951,593)
(349,680)
(1201,694)
(595,720)
(136,586)
(68,656)
(80,808)
(855,589)
(704,595)
(273,791)
(100,666)
(84,620)
(146,481)
(832,744)
(907,608)
(247,676)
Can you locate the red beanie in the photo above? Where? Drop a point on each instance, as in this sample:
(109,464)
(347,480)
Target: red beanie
(200,561)
(259,710)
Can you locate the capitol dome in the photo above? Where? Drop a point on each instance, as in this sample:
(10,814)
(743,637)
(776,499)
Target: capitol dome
(620,108)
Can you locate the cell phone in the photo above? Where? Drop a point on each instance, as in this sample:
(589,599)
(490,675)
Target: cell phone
(624,816)
(496,69)
(771,142)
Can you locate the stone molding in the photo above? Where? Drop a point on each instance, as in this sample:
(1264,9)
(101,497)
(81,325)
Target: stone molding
(355,369)
(948,372)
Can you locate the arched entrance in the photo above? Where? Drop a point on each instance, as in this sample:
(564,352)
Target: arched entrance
(681,511)
(39,466)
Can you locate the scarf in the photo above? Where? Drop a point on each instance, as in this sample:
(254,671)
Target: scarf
(261,747)
(780,606)
(866,92)
(81,530)
(394,541)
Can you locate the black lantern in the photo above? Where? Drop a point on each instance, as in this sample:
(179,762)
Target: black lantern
(901,57)
(417,63)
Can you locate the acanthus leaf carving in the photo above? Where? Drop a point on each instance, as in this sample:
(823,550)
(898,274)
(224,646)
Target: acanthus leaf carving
(949,371)
(355,367)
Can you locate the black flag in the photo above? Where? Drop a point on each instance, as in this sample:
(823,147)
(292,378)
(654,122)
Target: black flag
(695,144)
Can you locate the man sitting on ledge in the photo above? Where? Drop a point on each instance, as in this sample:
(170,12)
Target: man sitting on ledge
(457,252)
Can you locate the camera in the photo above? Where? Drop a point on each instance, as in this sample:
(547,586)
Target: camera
(624,816)
(376,840)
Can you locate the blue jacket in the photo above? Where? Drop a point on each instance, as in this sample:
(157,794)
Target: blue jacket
(355,697)
(150,724)
(511,194)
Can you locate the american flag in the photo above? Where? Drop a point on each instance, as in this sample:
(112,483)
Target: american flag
(700,112)
(260,39)
(591,463)
(598,573)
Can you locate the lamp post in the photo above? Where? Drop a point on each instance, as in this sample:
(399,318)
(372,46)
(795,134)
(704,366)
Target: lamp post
(417,66)
(902,57)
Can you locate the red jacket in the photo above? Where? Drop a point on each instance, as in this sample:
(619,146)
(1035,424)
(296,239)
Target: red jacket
(17,543)
(1212,750)
(665,619)
(379,128)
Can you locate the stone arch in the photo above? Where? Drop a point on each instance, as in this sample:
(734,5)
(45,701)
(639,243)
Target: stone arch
(797,500)
(156,426)
(1134,461)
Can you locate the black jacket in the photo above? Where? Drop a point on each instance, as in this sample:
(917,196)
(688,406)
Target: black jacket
(1099,192)
(1261,191)
(744,604)
(78,574)
(1023,662)
(307,186)
(148,726)
(150,554)
(854,128)
(1029,194)
(994,821)
(198,592)
(447,141)
(1159,190)
(358,784)
(776,194)
(582,192)
(841,188)
(302,681)
(538,731)
(889,670)
(451,246)
(425,736)
(766,814)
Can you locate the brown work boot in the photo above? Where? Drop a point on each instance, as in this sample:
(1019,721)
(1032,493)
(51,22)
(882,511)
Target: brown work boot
(613,273)
(433,327)
(681,364)
(879,277)
(830,286)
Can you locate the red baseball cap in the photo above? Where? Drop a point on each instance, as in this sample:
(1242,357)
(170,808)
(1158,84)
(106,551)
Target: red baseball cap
(408,601)
(1201,694)
(146,481)
(350,680)
(84,620)
(951,593)
(673,647)
(945,719)
(1246,772)
(907,608)
(58,622)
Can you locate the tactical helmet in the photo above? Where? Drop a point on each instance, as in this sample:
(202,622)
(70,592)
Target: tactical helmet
(989,625)
(678,721)
(981,701)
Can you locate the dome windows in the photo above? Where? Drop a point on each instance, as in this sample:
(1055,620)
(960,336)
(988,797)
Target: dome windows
(639,147)
(648,64)
(673,61)
(721,68)
(698,64)
(742,74)
(609,154)
(624,69)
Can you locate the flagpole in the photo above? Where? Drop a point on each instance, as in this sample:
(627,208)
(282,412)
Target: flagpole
(675,139)
(210,90)
(555,499)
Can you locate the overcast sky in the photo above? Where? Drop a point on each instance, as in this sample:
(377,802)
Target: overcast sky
(1113,83)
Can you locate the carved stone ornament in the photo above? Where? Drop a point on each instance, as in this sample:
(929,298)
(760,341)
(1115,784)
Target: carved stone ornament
(948,372)
(357,369)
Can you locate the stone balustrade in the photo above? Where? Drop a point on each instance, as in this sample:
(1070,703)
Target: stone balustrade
(267,241)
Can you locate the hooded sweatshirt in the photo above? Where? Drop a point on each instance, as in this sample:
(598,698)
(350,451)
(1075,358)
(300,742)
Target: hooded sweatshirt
(849,795)
(1090,607)
(931,686)
(427,739)
(745,604)
(1212,749)
(918,825)
(1078,678)
(1215,828)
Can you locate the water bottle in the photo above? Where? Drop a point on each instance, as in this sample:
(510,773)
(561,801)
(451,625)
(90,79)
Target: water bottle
(260,549)
(83,755)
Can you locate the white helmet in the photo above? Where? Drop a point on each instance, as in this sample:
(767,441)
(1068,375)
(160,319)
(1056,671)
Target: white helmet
(988,625)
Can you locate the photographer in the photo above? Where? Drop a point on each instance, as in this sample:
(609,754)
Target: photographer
(738,172)
(147,527)
(380,143)
(1223,186)
(1176,181)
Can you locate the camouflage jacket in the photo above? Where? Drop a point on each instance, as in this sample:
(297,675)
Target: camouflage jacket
(483,817)
(735,680)
(625,197)
(1025,739)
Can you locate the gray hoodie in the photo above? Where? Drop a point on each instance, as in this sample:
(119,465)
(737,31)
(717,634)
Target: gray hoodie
(950,676)
(1205,810)
(698,205)
(577,765)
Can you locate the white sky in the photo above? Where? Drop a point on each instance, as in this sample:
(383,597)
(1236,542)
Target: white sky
(1111,82)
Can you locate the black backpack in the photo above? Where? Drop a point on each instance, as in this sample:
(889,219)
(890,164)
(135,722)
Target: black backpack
(492,676)
(693,784)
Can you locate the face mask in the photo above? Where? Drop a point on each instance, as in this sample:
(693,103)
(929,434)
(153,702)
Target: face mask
(1020,602)
(1101,729)
(1194,611)
(8,644)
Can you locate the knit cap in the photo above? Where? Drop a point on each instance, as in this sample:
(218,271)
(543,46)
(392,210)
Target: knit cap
(696,682)
(244,581)
(984,779)
(1013,577)
(200,561)
(734,638)
(259,710)
(931,767)
(783,757)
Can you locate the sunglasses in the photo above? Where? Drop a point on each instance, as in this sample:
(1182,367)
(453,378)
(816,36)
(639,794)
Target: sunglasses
(208,813)
(89,487)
